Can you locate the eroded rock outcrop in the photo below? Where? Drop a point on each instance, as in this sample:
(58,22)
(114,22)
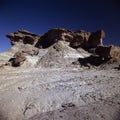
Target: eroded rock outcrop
(60,54)
(56,86)
(96,38)
(29,50)
(24,37)
(87,40)
(53,36)
(80,39)
(59,42)
(22,42)
(76,39)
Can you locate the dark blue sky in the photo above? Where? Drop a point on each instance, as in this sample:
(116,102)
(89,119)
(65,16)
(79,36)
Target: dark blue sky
(38,16)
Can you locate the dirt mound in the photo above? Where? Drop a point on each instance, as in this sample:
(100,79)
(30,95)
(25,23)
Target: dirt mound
(60,54)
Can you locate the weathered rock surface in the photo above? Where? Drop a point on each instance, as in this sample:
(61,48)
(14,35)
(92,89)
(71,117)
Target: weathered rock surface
(87,40)
(58,43)
(53,36)
(60,54)
(23,36)
(23,42)
(76,39)
(61,75)
(80,39)
(96,38)
(18,59)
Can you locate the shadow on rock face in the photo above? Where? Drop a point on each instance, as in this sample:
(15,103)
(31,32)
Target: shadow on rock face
(92,60)
(29,40)
(44,42)
(53,36)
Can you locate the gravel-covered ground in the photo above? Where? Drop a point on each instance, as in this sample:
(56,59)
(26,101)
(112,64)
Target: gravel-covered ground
(54,85)
(60,93)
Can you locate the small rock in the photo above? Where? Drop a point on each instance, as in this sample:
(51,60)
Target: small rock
(68,105)
(18,59)
(22,88)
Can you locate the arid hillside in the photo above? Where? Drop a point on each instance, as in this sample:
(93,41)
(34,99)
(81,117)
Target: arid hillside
(61,75)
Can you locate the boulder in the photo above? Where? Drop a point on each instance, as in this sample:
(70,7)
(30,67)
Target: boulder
(18,59)
(108,51)
(115,52)
(92,61)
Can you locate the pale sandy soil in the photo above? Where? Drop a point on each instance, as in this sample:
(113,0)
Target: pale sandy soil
(71,93)
(49,87)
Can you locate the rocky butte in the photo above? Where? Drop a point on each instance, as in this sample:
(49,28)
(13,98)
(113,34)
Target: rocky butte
(61,75)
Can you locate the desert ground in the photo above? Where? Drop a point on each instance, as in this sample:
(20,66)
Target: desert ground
(58,82)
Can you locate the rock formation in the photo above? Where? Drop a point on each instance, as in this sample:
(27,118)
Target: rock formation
(96,38)
(24,37)
(108,51)
(61,75)
(80,39)
(54,45)
(76,39)
(53,36)
(60,54)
